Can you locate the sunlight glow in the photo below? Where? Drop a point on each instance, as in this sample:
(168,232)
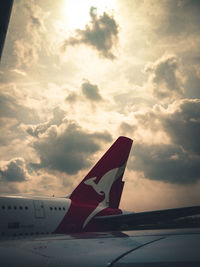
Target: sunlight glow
(77,11)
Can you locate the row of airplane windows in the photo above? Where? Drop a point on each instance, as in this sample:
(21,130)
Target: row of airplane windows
(56,208)
(22,234)
(26,208)
(14,207)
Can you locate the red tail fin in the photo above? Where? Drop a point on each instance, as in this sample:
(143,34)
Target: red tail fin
(103,184)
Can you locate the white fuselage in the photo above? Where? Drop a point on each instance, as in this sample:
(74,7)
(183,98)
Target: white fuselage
(21,216)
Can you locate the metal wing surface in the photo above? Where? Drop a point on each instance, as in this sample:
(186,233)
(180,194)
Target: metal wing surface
(130,248)
(132,220)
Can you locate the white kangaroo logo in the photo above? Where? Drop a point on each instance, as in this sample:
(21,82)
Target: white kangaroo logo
(103,187)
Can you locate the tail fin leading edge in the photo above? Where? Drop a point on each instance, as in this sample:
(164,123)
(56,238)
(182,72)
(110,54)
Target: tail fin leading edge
(103,184)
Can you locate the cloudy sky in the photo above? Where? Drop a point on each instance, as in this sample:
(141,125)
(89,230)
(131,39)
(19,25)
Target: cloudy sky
(76,74)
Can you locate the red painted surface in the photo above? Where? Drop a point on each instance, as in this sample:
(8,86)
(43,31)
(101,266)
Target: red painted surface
(116,193)
(84,199)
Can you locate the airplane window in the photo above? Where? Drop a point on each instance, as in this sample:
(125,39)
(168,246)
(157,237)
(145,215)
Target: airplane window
(21,208)
(51,208)
(59,208)
(15,207)
(26,208)
(3,207)
(9,207)
(55,208)
(63,208)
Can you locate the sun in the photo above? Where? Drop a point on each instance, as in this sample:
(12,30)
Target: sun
(76,12)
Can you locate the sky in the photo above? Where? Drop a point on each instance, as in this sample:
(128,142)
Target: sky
(76,74)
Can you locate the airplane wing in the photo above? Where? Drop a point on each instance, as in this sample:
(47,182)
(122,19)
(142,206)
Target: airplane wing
(5,11)
(157,248)
(132,220)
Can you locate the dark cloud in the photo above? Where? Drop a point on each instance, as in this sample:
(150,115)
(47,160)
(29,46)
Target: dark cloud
(167,163)
(183,125)
(101,34)
(192,85)
(180,16)
(36,130)
(179,161)
(67,148)
(165,78)
(91,91)
(14,171)
(10,108)
(72,97)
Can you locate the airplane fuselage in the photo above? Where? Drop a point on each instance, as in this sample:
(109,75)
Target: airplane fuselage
(24,216)
(31,215)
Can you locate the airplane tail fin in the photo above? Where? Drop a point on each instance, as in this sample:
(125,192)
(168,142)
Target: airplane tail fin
(103,184)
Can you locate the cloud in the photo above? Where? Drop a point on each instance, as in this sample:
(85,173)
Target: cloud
(19,72)
(165,78)
(183,124)
(72,97)
(27,49)
(179,160)
(179,17)
(101,33)
(36,17)
(36,130)
(25,52)
(126,128)
(91,91)
(67,148)
(14,171)
(11,108)
(168,163)
(193,78)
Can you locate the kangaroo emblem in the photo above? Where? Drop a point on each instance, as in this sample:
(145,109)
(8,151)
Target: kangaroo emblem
(103,187)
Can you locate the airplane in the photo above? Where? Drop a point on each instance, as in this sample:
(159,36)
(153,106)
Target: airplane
(89,229)
(92,206)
